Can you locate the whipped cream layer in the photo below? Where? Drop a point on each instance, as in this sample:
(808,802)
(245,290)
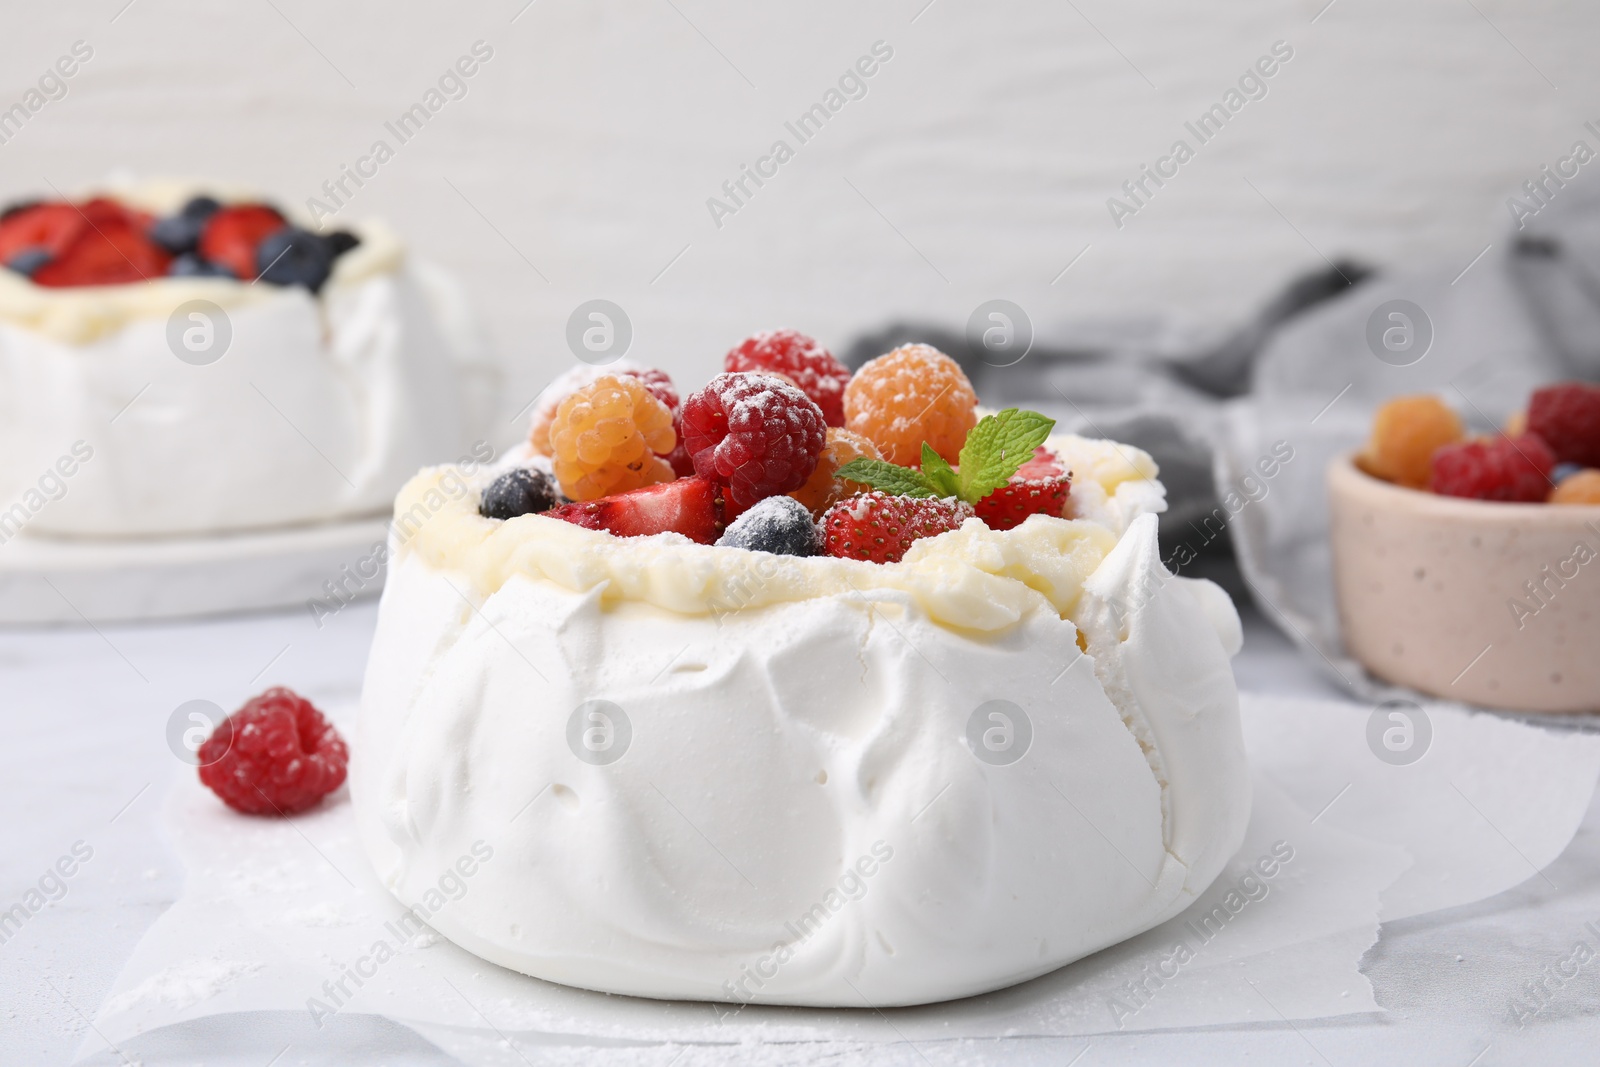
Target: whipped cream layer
(321,407)
(798,815)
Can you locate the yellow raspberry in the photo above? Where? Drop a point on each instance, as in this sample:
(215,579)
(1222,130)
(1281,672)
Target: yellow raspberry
(822,490)
(914,394)
(609,437)
(1406,432)
(1580,488)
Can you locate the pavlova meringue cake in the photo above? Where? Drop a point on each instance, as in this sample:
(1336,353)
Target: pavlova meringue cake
(809,725)
(210,365)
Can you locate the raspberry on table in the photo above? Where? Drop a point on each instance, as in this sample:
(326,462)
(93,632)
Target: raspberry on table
(275,756)
(876,527)
(822,490)
(914,394)
(800,359)
(1008,506)
(1515,469)
(1580,488)
(1567,416)
(754,434)
(611,436)
(1406,432)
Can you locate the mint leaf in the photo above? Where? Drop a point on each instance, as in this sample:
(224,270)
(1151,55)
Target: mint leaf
(901,481)
(996,447)
(937,472)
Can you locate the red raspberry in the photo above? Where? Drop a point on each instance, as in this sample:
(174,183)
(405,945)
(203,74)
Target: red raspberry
(878,528)
(1499,468)
(275,755)
(800,359)
(1567,416)
(1009,505)
(755,434)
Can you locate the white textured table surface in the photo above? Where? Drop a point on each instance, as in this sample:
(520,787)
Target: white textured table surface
(85,759)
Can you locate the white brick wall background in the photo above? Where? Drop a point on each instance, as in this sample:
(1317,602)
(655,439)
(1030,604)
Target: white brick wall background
(977,165)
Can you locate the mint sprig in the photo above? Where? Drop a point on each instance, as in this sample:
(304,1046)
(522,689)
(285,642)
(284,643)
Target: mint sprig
(992,453)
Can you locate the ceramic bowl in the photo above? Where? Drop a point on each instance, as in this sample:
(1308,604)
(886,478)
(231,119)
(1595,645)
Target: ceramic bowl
(1488,603)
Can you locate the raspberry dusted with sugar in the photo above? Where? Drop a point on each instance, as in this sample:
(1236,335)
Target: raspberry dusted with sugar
(275,756)
(878,528)
(800,359)
(609,437)
(914,394)
(1567,416)
(755,434)
(1499,468)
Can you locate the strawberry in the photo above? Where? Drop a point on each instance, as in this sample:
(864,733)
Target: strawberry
(232,234)
(876,527)
(109,247)
(50,226)
(1044,464)
(1009,505)
(687,506)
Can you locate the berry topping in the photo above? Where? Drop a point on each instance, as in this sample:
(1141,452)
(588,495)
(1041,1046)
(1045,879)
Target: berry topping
(753,433)
(989,475)
(575,378)
(822,490)
(232,235)
(801,360)
(275,755)
(342,241)
(1044,464)
(50,227)
(28,261)
(520,491)
(1009,505)
(912,395)
(878,528)
(778,524)
(190,265)
(687,506)
(1567,416)
(294,257)
(1406,432)
(609,437)
(180,233)
(1580,488)
(1499,468)
(109,248)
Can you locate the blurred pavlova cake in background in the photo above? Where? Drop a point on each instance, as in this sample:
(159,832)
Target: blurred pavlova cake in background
(185,359)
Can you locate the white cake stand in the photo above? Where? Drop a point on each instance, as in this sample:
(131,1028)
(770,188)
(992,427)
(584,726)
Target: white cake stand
(61,580)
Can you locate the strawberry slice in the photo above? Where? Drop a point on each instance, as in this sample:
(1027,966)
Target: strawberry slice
(109,247)
(50,226)
(232,234)
(1044,464)
(1009,505)
(687,506)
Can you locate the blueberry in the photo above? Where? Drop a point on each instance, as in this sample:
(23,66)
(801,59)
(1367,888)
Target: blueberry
(177,233)
(778,524)
(190,265)
(200,208)
(519,491)
(342,241)
(1563,471)
(29,260)
(295,257)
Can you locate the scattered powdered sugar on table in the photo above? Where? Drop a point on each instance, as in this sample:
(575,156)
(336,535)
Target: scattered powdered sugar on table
(183,985)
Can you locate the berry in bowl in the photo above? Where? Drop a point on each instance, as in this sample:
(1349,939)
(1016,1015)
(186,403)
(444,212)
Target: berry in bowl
(1469,568)
(901,710)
